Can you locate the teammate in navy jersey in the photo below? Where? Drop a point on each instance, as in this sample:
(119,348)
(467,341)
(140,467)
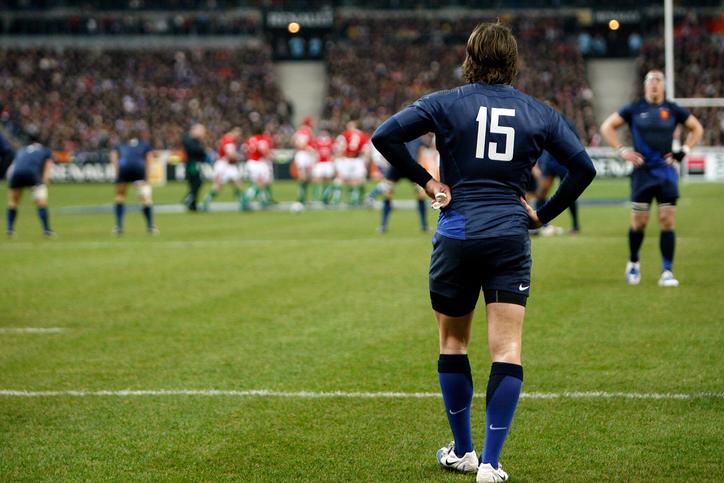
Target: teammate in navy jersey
(31,169)
(392,176)
(489,135)
(131,161)
(652,120)
(549,169)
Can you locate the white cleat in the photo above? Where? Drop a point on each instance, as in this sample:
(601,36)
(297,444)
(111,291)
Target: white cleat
(551,230)
(467,463)
(633,273)
(488,474)
(668,280)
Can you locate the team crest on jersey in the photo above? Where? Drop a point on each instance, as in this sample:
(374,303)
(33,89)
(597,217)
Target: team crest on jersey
(664,114)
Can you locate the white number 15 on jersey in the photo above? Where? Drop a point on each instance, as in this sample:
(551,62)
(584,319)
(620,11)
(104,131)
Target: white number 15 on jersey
(509,133)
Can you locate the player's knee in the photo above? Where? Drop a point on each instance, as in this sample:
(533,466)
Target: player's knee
(40,194)
(144,194)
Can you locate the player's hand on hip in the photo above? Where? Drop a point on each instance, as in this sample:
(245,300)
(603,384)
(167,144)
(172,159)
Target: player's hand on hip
(532,214)
(632,156)
(439,192)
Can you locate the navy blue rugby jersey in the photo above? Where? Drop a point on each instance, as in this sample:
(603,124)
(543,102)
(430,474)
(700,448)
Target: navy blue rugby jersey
(652,129)
(133,154)
(489,137)
(31,159)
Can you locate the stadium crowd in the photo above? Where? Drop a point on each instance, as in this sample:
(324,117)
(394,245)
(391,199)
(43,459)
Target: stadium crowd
(376,66)
(81,100)
(699,50)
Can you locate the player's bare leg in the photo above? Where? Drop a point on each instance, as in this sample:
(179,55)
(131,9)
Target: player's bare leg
(40,198)
(639,220)
(120,207)
(14,197)
(456,385)
(667,243)
(145,197)
(505,335)
(389,194)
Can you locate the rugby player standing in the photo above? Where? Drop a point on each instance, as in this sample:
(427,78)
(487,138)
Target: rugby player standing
(131,160)
(31,169)
(652,120)
(489,135)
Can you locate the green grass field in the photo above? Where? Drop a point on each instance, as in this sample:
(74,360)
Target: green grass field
(320,302)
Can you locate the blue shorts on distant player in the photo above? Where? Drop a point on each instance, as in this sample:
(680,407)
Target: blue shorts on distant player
(131,174)
(23,179)
(661,184)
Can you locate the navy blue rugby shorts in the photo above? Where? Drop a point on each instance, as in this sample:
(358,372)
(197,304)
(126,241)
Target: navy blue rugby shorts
(459,269)
(131,174)
(646,186)
(23,179)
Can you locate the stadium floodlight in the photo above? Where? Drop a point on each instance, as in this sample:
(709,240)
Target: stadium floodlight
(669,65)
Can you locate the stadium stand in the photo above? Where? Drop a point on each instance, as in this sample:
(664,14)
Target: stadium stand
(83,99)
(698,44)
(378,65)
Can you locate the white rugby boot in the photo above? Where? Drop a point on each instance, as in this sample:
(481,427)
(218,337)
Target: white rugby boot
(488,474)
(668,280)
(633,273)
(467,463)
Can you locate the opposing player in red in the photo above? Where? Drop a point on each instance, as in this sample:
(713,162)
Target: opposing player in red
(323,171)
(352,150)
(258,150)
(305,156)
(227,169)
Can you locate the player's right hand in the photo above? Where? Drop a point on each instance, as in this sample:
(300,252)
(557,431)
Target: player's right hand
(632,156)
(434,189)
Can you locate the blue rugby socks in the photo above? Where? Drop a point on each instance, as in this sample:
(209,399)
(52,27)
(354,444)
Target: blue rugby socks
(422,213)
(148,215)
(456,383)
(119,209)
(386,210)
(635,239)
(504,387)
(43,215)
(12,214)
(667,243)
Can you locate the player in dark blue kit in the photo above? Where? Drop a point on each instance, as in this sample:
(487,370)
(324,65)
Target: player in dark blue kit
(31,169)
(131,161)
(489,135)
(392,176)
(549,169)
(652,120)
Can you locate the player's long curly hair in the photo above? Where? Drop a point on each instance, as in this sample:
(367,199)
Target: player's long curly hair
(491,55)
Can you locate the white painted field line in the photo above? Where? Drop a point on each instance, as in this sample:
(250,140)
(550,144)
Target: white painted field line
(31,330)
(264,393)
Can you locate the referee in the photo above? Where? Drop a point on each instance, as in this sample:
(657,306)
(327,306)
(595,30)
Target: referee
(193,144)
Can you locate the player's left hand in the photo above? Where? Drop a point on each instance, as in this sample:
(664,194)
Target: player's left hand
(532,214)
(677,156)
(433,188)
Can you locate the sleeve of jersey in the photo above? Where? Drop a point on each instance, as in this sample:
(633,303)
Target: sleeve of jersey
(625,112)
(391,136)
(680,114)
(564,146)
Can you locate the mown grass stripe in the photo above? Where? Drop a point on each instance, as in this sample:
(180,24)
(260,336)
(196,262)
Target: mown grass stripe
(351,395)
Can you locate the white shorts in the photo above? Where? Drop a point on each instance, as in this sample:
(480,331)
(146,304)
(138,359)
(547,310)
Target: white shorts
(323,170)
(351,169)
(259,171)
(305,163)
(225,171)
